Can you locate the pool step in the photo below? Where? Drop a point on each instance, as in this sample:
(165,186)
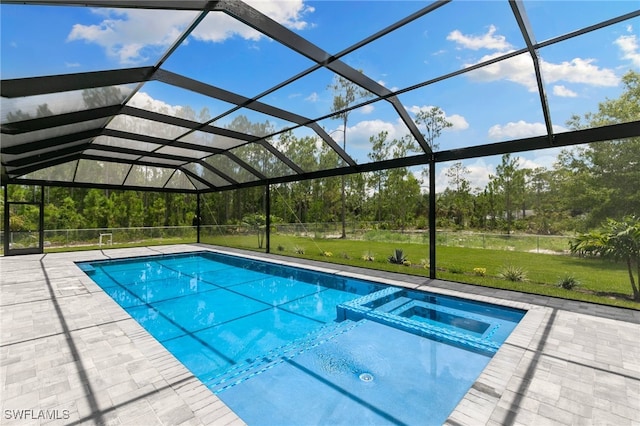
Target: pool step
(394,305)
(244,371)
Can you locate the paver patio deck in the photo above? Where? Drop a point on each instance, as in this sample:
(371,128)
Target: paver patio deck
(68,351)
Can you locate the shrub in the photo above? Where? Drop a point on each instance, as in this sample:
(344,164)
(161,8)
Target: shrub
(406,263)
(327,254)
(368,256)
(280,247)
(456,270)
(481,272)
(397,257)
(568,282)
(512,273)
(298,250)
(425,263)
(345,255)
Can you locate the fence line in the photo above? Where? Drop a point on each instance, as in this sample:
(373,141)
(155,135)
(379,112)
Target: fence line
(368,231)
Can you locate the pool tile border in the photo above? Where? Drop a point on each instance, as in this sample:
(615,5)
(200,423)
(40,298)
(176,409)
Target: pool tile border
(68,349)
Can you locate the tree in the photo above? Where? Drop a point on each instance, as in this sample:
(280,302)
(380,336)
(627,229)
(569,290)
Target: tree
(402,188)
(379,152)
(461,188)
(295,197)
(96,209)
(433,121)
(345,94)
(102,96)
(128,209)
(607,170)
(256,222)
(509,182)
(42,110)
(402,194)
(68,216)
(617,240)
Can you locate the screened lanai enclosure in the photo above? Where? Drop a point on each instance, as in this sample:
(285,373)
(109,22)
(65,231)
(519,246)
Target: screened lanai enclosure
(202,97)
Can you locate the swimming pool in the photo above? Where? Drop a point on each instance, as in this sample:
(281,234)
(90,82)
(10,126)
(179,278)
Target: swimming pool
(281,345)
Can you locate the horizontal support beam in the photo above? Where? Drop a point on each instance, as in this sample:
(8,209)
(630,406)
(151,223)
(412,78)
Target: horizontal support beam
(133,4)
(65,184)
(576,137)
(188,124)
(32,86)
(50,121)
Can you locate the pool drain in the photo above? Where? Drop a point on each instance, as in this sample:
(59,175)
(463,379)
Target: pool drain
(366,377)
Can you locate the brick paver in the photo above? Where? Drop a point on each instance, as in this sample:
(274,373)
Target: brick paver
(68,351)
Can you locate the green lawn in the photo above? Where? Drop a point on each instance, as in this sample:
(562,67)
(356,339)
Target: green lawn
(601,281)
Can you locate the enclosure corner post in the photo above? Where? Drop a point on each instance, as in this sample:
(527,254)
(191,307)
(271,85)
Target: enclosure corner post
(6,220)
(267,197)
(199,218)
(41,220)
(432,219)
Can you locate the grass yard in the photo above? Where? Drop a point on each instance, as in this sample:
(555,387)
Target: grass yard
(514,242)
(601,281)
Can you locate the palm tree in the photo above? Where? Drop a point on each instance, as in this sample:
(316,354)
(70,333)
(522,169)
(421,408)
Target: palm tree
(617,240)
(258,224)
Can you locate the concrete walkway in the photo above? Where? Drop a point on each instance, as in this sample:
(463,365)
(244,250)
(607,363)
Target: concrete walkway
(70,355)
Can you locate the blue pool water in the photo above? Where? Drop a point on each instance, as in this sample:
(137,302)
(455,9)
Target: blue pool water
(281,345)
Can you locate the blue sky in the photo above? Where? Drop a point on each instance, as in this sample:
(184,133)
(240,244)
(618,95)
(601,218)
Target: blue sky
(500,102)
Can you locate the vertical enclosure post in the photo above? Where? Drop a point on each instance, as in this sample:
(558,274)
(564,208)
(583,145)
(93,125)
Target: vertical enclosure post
(432,218)
(41,220)
(267,231)
(6,220)
(198,220)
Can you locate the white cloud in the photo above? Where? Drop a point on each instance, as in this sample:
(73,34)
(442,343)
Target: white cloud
(289,13)
(489,40)
(144,101)
(481,169)
(526,163)
(520,129)
(367,109)
(479,172)
(313,97)
(71,64)
(519,69)
(630,48)
(358,144)
(458,122)
(478,176)
(360,133)
(218,27)
(578,70)
(562,91)
(132,35)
